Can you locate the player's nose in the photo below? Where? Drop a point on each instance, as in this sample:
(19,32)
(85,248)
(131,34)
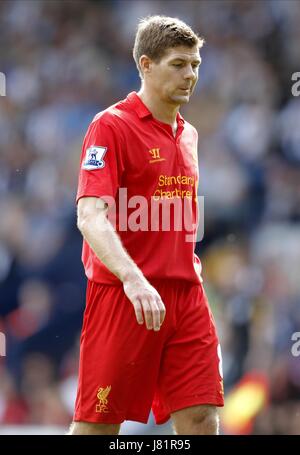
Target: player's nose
(190,73)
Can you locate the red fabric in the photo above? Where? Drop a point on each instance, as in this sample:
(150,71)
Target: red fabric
(142,155)
(171,369)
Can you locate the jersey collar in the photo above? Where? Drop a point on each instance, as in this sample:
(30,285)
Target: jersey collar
(142,110)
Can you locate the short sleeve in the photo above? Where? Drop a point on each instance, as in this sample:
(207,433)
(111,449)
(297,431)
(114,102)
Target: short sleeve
(101,161)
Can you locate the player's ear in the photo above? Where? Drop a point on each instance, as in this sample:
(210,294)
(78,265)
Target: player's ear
(145,64)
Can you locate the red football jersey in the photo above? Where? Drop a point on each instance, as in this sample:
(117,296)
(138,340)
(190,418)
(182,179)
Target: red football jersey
(133,160)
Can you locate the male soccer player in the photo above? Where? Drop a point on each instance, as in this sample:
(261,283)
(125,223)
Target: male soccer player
(148,336)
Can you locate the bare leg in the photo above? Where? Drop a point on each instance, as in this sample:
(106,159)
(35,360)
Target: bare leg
(87,428)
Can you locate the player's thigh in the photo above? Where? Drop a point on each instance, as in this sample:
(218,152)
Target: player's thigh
(197,420)
(88,428)
(190,372)
(119,360)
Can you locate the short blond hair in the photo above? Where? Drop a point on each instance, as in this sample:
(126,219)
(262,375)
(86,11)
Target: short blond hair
(156,34)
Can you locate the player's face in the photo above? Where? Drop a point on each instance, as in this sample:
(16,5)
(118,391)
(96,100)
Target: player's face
(175,76)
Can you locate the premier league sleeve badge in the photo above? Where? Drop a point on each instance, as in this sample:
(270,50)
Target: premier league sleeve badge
(94,158)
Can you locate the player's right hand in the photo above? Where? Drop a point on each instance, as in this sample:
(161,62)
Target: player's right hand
(147,303)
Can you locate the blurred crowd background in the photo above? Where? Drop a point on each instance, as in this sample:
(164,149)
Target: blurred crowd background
(65,61)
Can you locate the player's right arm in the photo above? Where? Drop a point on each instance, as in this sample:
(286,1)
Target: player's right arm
(105,242)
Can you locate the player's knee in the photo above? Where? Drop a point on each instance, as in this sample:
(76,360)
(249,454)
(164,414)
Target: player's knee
(87,428)
(197,420)
(205,421)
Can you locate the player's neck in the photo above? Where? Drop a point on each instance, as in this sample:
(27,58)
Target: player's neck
(164,112)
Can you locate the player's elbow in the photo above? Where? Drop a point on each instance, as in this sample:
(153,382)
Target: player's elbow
(84,217)
(82,221)
(89,215)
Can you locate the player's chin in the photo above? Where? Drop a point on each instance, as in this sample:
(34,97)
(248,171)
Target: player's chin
(181,99)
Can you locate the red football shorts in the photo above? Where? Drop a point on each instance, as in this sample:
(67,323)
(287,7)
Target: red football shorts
(126,369)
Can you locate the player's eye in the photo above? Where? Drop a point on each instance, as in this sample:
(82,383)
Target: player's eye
(178,65)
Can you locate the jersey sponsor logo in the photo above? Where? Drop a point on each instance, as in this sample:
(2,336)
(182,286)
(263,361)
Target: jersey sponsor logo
(94,158)
(102,397)
(155,155)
